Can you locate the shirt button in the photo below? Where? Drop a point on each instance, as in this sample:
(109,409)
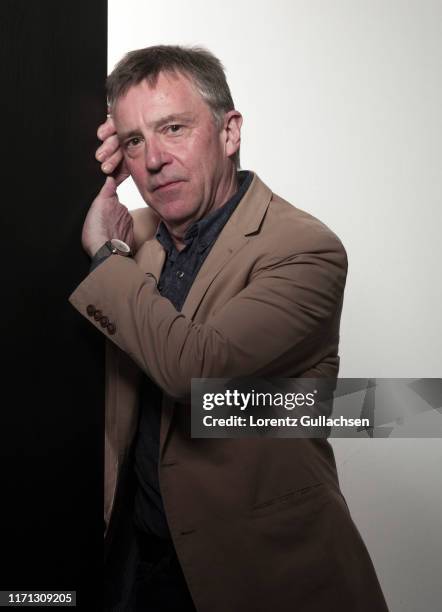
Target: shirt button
(180,274)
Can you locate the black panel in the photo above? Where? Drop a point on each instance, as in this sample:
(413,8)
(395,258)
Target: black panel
(53,71)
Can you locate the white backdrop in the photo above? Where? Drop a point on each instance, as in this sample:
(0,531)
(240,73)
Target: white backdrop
(342,116)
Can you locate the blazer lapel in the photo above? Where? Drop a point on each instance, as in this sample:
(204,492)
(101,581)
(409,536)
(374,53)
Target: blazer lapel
(245,221)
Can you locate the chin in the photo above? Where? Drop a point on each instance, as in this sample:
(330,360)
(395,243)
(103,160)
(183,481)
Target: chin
(175,213)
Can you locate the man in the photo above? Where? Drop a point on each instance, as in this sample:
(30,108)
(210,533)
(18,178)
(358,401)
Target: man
(223,279)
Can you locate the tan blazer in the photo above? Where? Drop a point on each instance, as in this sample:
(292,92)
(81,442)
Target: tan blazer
(258,524)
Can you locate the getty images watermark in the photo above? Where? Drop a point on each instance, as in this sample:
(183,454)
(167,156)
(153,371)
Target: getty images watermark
(316,408)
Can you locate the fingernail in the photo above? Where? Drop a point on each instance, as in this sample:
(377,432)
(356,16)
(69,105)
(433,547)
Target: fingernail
(106,167)
(100,156)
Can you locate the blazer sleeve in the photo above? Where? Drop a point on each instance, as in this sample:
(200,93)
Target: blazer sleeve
(286,313)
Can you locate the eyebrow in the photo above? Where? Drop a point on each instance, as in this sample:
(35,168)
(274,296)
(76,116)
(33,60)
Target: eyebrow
(172,118)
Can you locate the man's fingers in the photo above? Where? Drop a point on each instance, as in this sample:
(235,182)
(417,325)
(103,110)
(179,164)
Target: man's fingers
(107,149)
(109,153)
(112,162)
(106,129)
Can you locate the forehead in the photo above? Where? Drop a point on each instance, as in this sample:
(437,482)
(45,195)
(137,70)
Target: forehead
(144,103)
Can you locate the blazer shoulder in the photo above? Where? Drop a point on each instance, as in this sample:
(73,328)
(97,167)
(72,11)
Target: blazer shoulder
(293,230)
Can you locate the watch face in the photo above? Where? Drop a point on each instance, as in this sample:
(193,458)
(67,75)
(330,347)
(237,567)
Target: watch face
(120,246)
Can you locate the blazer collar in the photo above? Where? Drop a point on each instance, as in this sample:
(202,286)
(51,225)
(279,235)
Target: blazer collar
(250,211)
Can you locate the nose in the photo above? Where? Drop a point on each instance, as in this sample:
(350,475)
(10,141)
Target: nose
(155,155)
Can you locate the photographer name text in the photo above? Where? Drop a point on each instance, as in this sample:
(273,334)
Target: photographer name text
(288,421)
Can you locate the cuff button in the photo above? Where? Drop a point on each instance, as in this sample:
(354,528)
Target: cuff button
(90,310)
(111,328)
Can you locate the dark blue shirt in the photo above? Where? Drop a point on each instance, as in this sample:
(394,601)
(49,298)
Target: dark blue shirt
(178,274)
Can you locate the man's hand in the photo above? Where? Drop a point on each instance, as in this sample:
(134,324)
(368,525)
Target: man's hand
(109,153)
(107,219)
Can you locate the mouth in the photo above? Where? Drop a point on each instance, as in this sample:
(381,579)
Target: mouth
(167,186)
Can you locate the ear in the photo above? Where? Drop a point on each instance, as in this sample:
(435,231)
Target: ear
(232,128)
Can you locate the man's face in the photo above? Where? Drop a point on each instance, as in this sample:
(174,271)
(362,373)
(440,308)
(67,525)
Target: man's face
(172,147)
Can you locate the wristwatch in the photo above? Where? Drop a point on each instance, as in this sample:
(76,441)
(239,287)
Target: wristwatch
(111,247)
(118,247)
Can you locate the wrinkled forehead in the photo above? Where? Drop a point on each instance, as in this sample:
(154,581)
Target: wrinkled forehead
(171,97)
(166,82)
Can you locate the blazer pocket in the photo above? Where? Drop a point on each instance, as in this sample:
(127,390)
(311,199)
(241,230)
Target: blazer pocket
(296,497)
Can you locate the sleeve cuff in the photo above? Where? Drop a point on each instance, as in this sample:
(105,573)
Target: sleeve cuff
(101,255)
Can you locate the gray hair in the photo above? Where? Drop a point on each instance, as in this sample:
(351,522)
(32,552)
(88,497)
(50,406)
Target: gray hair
(205,70)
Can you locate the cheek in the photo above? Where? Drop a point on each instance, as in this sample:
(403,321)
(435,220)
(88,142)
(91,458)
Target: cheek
(203,150)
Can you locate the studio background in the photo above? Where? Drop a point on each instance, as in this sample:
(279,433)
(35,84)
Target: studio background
(341,103)
(53,66)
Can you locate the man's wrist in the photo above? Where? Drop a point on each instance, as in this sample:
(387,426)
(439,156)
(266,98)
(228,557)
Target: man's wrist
(95,246)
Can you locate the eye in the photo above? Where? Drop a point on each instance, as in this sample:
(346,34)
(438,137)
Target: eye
(133,142)
(174,128)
